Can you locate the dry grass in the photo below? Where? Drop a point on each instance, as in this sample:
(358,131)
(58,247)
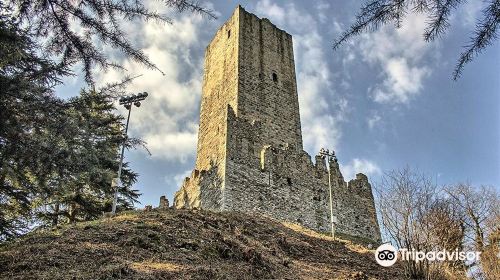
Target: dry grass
(306,231)
(185,244)
(150,267)
(128,216)
(353,246)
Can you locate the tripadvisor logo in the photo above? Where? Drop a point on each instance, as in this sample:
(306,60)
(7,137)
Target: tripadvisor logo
(387,255)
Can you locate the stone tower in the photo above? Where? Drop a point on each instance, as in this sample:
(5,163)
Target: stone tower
(250,155)
(249,67)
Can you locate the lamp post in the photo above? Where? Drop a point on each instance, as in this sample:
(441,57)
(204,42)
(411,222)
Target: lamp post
(329,157)
(127,102)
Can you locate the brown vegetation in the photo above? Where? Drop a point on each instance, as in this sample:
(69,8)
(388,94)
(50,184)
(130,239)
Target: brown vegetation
(181,244)
(418,215)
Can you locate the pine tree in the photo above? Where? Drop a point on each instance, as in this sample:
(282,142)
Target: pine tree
(57,157)
(70,29)
(25,103)
(85,142)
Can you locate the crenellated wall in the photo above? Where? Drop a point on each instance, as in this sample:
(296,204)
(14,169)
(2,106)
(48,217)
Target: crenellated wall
(250,156)
(284,183)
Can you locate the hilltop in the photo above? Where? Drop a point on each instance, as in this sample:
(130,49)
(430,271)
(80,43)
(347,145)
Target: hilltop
(182,244)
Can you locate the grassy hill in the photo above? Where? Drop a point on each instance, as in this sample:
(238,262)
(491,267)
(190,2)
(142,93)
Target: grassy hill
(181,244)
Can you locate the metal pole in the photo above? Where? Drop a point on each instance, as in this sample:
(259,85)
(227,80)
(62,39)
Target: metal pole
(331,200)
(115,198)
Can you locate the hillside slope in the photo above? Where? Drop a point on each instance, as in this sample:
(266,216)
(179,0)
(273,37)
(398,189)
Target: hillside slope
(181,244)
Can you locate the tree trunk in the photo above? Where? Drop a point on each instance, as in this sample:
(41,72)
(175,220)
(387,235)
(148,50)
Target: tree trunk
(55,216)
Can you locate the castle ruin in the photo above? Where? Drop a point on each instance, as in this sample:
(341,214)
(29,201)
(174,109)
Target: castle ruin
(250,155)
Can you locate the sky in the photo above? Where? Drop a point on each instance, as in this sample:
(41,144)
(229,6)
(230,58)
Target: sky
(384,101)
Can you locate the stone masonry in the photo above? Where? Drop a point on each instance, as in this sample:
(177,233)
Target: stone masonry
(250,156)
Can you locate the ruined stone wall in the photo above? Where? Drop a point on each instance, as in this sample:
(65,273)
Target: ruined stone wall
(203,189)
(271,179)
(281,182)
(356,208)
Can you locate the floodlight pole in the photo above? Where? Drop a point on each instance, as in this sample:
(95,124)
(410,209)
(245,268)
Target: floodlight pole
(329,156)
(127,101)
(115,197)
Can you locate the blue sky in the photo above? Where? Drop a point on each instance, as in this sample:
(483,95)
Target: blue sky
(383,101)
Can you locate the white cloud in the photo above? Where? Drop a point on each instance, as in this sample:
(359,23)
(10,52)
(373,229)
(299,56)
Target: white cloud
(320,127)
(373,120)
(177,179)
(272,11)
(168,118)
(469,13)
(367,167)
(402,82)
(399,53)
(321,8)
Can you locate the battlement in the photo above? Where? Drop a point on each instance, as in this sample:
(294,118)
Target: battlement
(250,153)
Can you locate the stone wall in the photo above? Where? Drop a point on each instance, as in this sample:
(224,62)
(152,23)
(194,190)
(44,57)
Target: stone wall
(280,182)
(267,88)
(220,88)
(250,156)
(203,189)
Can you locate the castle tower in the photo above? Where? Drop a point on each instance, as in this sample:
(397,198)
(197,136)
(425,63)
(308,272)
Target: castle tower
(250,154)
(249,67)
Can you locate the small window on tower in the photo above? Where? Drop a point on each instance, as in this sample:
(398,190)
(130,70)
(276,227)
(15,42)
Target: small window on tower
(228,33)
(275,77)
